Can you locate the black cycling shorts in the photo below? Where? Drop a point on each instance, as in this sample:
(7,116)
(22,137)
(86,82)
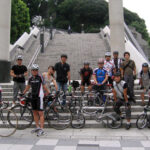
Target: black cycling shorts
(83,83)
(37,104)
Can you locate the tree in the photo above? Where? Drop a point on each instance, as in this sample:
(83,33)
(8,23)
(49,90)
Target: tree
(20,19)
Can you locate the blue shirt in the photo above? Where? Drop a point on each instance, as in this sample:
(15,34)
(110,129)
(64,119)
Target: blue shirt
(100,75)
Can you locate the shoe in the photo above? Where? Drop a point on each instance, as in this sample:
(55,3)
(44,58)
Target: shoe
(128,126)
(40,132)
(35,130)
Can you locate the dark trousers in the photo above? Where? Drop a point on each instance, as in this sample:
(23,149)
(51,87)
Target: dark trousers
(130,81)
(120,103)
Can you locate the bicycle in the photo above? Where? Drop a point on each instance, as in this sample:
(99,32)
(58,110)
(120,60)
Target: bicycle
(94,99)
(75,106)
(24,112)
(57,115)
(5,121)
(143,120)
(111,120)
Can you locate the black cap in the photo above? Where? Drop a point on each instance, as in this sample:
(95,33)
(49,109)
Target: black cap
(64,55)
(115,52)
(117,74)
(145,65)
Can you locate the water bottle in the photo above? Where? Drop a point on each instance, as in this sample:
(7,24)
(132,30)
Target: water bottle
(49,103)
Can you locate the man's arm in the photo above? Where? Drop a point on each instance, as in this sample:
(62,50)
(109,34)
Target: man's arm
(12,73)
(125,94)
(26,89)
(114,94)
(95,79)
(69,76)
(106,78)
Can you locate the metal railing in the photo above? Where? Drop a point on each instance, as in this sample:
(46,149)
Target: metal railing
(37,51)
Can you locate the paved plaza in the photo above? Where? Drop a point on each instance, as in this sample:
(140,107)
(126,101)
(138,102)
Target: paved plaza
(83,139)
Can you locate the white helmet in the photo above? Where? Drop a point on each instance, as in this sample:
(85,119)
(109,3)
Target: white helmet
(35,67)
(108,54)
(19,57)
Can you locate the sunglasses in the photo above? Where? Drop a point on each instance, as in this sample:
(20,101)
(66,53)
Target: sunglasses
(34,70)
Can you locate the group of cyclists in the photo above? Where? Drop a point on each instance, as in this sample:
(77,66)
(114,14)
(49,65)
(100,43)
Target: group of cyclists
(117,72)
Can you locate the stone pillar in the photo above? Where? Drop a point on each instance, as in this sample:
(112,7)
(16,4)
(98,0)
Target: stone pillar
(116,19)
(5,19)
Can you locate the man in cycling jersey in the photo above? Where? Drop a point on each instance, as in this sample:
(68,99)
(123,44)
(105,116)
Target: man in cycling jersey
(121,97)
(144,77)
(86,74)
(100,76)
(109,66)
(116,61)
(37,84)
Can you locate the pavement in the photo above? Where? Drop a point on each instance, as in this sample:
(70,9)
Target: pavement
(78,139)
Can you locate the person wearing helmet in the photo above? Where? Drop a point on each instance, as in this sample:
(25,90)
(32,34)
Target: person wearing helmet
(120,95)
(38,86)
(86,74)
(100,76)
(144,77)
(116,61)
(109,66)
(18,72)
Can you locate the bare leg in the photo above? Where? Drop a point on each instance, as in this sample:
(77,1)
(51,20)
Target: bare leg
(41,114)
(82,89)
(36,118)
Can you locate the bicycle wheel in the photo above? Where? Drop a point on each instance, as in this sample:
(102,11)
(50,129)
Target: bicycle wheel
(24,115)
(114,121)
(141,121)
(60,118)
(7,130)
(78,120)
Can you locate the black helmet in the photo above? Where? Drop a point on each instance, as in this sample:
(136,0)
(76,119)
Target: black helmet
(115,52)
(86,63)
(117,74)
(145,65)
(64,55)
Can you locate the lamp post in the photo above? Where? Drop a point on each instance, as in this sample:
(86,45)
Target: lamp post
(82,28)
(42,35)
(51,28)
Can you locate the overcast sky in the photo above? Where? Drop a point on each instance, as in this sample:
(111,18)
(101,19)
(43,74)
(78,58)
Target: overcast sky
(141,7)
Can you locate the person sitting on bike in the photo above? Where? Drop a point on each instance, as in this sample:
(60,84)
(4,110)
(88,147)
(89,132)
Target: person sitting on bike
(86,74)
(144,76)
(109,66)
(37,84)
(100,76)
(121,97)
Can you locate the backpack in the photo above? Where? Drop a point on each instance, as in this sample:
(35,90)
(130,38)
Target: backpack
(141,73)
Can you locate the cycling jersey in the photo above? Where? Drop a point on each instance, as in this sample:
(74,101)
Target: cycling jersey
(119,87)
(100,74)
(37,92)
(117,63)
(109,66)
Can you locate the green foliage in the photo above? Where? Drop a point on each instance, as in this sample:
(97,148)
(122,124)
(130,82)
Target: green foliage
(20,19)
(92,13)
(77,12)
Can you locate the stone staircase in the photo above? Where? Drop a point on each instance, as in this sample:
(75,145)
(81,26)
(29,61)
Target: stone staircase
(79,48)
